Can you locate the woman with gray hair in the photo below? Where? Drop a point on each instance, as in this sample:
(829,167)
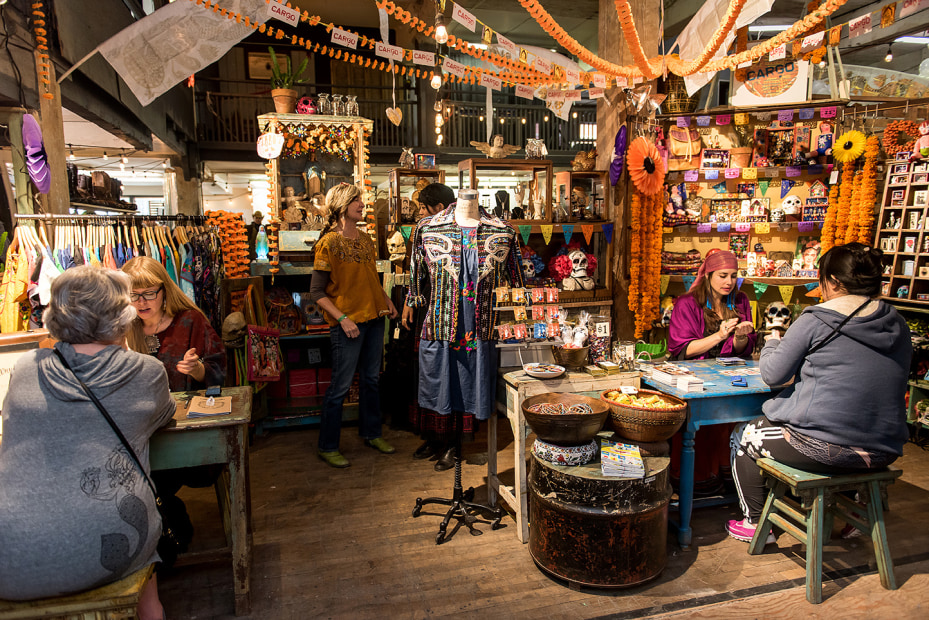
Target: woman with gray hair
(78,513)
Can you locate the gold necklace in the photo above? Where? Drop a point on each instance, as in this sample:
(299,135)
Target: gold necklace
(151,340)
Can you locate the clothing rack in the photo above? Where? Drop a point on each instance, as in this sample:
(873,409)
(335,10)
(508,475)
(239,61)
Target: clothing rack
(129,217)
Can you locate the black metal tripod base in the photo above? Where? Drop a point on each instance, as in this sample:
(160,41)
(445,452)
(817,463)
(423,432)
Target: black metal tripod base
(460,507)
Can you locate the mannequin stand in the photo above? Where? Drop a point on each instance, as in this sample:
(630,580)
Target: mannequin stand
(460,504)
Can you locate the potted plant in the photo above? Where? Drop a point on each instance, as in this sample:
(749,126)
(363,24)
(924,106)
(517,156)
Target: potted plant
(282,82)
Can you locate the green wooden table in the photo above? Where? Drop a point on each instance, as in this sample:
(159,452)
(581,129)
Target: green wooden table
(221,440)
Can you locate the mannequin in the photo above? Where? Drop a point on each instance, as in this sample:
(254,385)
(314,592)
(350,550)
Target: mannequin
(459,255)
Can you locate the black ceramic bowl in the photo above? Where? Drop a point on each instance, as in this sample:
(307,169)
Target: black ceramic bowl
(568,429)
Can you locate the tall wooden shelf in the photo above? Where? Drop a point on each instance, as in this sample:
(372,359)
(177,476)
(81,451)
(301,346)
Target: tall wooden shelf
(902,232)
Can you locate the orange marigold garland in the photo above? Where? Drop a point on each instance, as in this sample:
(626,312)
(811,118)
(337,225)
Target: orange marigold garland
(854,211)
(845,202)
(868,190)
(645,260)
(43,67)
(892,134)
(828,235)
(635,251)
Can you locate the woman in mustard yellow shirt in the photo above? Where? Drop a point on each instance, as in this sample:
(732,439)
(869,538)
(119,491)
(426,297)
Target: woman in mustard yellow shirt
(347,288)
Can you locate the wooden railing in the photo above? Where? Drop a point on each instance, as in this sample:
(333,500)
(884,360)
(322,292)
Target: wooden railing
(229,119)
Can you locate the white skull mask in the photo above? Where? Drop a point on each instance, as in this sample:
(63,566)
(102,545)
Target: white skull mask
(791,205)
(396,246)
(528,268)
(776,315)
(777,215)
(578,264)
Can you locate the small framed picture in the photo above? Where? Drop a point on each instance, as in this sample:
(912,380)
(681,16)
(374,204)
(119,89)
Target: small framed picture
(920,179)
(921,198)
(900,169)
(898,179)
(902,156)
(425,162)
(714,158)
(921,166)
(897,197)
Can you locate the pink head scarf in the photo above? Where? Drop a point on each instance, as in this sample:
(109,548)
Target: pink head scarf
(721,259)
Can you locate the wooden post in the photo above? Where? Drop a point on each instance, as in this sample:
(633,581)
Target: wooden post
(53,134)
(609,119)
(22,188)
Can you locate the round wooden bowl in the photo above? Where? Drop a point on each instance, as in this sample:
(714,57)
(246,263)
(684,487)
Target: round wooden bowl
(575,358)
(641,424)
(569,429)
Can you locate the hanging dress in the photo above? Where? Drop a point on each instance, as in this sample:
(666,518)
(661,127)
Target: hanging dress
(469,382)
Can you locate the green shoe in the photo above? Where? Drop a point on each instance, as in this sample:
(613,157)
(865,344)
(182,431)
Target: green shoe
(334,459)
(381,445)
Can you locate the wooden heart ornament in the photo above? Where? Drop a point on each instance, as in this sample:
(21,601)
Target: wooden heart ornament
(395,115)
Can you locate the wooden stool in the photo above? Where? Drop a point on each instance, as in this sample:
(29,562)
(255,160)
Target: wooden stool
(115,601)
(810,522)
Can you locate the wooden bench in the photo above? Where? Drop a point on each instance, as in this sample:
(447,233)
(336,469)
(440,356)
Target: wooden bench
(115,601)
(821,500)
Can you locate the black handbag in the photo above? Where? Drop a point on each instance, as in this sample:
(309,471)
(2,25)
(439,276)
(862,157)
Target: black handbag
(168,545)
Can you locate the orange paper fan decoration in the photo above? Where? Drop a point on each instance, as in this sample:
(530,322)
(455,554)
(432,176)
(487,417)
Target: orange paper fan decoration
(645,166)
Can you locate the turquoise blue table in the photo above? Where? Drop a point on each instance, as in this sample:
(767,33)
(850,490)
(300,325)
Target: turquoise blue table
(221,440)
(720,403)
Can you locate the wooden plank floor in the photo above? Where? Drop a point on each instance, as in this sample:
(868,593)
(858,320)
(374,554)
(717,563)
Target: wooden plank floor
(342,544)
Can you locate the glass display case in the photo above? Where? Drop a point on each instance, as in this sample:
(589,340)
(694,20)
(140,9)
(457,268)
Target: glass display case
(404,186)
(519,190)
(581,196)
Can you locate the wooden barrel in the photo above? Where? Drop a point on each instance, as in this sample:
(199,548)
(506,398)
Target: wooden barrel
(597,531)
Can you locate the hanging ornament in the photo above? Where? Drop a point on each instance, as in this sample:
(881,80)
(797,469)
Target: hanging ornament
(645,166)
(849,146)
(619,155)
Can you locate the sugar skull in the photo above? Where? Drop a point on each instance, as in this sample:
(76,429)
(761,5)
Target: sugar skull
(777,214)
(306,106)
(791,205)
(234,330)
(396,246)
(578,263)
(777,316)
(528,268)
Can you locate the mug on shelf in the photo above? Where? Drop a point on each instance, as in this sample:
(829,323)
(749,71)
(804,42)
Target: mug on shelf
(924,271)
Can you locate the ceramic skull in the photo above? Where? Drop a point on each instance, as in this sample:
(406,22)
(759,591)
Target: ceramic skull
(777,316)
(305,106)
(777,214)
(791,205)
(396,246)
(528,268)
(578,264)
(234,330)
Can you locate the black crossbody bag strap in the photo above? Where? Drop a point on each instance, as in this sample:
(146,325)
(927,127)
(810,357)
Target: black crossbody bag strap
(112,424)
(835,333)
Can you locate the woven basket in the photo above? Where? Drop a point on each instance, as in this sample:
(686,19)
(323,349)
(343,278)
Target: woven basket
(641,424)
(678,102)
(575,358)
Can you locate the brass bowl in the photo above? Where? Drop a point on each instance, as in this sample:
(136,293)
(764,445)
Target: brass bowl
(568,429)
(576,358)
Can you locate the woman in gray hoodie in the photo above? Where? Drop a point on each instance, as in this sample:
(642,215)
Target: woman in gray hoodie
(849,359)
(76,511)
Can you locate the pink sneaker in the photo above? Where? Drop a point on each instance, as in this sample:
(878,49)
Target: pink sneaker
(744,530)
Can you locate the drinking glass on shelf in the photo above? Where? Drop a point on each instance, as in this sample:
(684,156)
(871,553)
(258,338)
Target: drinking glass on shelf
(351,105)
(338,106)
(325,106)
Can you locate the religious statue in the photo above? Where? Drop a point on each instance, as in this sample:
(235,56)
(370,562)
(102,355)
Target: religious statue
(294,211)
(496,150)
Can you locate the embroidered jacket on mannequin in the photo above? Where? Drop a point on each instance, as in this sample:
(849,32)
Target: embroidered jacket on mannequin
(436,261)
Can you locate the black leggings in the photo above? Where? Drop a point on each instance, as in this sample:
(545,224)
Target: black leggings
(761,438)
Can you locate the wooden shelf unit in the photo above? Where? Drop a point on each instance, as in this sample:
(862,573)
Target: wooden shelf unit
(902,232)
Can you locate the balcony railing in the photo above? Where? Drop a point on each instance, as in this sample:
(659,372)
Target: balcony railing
(228,120)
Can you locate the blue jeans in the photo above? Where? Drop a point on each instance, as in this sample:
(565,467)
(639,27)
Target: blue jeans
(348,355)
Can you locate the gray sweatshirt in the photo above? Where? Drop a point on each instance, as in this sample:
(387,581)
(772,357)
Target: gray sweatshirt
(75,512)
(851,391)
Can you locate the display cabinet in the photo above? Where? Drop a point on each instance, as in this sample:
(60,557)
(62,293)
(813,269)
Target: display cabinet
(582,196)
(514,189)
(902,231)
(403,186)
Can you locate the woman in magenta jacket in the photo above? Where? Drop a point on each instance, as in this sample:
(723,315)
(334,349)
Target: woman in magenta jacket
(713,319)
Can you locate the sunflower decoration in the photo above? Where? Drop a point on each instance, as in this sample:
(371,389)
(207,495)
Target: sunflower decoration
(849,146)
(647,169)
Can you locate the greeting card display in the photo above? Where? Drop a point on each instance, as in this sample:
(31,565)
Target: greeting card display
(714,159)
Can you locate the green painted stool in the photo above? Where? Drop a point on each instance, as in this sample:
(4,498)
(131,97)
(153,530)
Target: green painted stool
(810,521)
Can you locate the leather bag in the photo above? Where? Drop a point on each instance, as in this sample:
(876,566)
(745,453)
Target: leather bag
(684,146)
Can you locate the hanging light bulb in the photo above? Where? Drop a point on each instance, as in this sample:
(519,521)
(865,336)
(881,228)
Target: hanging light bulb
(890,54)
(439,121)
(502,121)
(437,106)
(480,118)
(438,130)
(436,81)
(545,118)
(105,156)
(124,160)
(122,166)
(441,32)
(70,153)
(574,115)
(523,120)
(164,164)
(438,140)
